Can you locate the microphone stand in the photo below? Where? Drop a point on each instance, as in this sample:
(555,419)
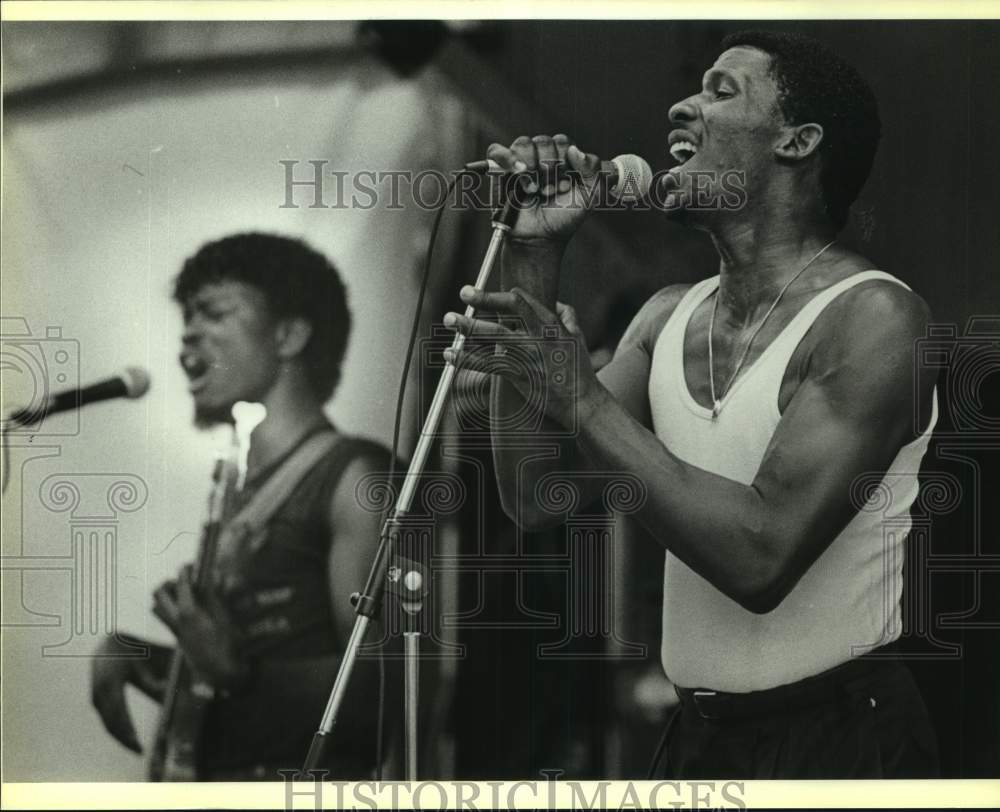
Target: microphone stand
(368,603)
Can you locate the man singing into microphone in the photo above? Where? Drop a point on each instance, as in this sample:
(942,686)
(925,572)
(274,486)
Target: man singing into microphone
(751,405)
(266,321)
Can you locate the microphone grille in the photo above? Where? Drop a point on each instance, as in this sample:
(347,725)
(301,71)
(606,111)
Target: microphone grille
(136,381)
(635,177)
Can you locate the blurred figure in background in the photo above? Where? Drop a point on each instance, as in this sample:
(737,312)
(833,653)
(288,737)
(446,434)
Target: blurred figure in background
(266,321)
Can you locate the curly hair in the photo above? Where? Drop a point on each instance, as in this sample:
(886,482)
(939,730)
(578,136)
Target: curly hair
(297,281)
(817,86)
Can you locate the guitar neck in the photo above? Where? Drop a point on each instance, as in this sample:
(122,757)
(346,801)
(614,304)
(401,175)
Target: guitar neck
(175,760)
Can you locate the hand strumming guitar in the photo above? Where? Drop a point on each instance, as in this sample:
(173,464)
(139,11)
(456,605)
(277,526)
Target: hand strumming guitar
(204,630)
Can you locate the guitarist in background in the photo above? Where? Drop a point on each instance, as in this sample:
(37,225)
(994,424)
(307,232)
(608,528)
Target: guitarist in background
(266,321)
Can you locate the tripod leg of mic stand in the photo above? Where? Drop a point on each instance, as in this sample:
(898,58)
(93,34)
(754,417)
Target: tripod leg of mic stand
(315,755)
(412,700)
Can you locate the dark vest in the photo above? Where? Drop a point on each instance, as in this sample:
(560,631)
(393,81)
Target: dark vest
(276,586)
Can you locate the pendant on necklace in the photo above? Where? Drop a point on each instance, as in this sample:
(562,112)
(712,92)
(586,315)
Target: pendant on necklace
(716,408)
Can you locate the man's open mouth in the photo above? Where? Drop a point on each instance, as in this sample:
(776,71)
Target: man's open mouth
(196,368)
(683,151)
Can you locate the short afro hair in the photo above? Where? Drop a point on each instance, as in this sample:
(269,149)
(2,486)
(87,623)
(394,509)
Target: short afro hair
(817,86)
(297,281)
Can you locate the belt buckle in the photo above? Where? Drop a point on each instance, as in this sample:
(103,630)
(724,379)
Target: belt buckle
(697,696)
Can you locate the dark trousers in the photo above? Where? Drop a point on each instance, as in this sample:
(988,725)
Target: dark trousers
(863,719)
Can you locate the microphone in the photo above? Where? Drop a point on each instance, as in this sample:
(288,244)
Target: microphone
(131,382)
(630,176)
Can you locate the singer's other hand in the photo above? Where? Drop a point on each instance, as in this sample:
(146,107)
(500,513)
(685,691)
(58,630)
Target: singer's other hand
(541,352)
(559,187)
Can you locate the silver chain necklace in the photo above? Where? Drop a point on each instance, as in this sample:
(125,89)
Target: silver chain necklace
(717,401)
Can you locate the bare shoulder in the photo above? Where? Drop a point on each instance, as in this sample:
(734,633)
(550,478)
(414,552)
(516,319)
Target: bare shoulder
(875,315)
(862,355)
(653,315)
(360,482)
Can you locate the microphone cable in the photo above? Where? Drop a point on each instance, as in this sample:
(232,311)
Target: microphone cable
(401,396)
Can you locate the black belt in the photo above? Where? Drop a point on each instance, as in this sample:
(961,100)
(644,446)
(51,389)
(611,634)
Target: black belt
(827,687)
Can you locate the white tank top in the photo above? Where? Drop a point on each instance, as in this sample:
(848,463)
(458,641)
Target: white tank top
(848,601)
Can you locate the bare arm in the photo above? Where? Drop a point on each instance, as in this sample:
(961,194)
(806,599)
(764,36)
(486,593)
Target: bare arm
(358,531)
(350,558)
(554,208)
(521,462)
(358,535)
(851,414)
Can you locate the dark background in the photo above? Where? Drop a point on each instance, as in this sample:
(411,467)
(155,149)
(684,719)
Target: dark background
(928,215)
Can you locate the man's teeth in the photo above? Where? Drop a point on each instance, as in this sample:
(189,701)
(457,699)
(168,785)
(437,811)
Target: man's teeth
(683,150)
